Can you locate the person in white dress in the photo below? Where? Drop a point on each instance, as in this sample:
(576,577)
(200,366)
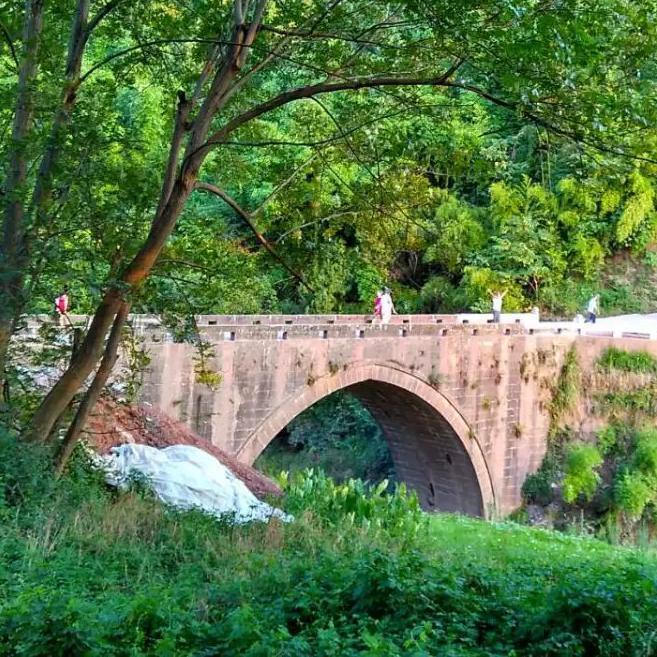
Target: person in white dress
(387,306)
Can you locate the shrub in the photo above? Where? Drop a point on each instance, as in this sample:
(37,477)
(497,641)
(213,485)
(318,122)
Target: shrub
(397,513)
(632,493)
(581,476)
(636,485)
(645,454)
(607,439)
(25,473)
(640,362)
(537,488)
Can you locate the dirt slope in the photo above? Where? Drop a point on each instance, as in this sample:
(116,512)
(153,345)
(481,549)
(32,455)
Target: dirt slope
(113,424)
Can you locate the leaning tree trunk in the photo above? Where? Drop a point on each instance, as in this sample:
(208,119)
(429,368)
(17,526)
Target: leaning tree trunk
(93,392)
(171,205)
(91,348)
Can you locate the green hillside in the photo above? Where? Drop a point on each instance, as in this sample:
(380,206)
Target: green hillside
(85,571)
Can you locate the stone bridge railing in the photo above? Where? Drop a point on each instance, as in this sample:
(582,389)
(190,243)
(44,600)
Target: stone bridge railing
(281,327)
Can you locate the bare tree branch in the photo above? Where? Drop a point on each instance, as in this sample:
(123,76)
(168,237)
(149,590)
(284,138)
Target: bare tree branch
(246,217)
(10,43)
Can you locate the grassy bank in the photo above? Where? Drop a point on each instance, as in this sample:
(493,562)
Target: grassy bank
(84,571)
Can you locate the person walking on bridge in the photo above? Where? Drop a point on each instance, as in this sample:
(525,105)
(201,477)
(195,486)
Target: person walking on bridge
(387,306)
(377,305)
(61,306)
(497,298)
(593,309)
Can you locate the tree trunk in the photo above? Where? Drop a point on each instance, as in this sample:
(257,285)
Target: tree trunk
(94,390)
(82,364)
(17,257)
(91,348)
(42,197)
(11,273)
(162,226)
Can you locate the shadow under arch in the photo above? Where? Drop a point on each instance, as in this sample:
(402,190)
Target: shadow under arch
(433,449)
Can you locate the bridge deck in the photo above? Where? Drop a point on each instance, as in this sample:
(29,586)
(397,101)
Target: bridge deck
(283,327)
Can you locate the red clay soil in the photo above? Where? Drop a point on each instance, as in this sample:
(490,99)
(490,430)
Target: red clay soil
(114,424)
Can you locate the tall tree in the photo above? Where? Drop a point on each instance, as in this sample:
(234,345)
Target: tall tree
(575,68)
(25,210)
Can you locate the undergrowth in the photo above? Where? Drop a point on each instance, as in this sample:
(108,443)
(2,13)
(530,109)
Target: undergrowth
(88,572)
(567,388)
(639,362)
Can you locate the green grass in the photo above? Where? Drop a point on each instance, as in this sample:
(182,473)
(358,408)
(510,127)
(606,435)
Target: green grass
(507,544)
(84,571)
(638,362)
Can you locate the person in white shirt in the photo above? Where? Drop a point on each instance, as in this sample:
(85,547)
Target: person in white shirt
(387,306)
(592,309)
(497,304)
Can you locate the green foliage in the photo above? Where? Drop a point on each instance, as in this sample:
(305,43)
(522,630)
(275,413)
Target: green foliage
(538,488)
(636,487)
(338,436)
(639,207)
(612,483)
(642,401)
(639,362)
(135,361)
(607,439)
(358,573)
(204,373)
(633,493)
(567,388)
(398,513)
(581,472)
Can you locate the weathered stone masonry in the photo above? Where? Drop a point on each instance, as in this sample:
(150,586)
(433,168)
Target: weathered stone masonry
(464,407)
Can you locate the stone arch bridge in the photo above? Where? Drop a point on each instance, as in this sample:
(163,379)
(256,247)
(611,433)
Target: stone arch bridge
(463,403)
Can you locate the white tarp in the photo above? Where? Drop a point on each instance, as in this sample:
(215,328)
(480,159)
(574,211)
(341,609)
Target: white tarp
(187,477)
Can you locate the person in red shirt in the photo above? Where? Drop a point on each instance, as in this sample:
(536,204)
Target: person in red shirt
(62,304)
(377,305)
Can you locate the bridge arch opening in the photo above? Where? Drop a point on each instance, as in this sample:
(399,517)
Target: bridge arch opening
(433,449)
(337,434)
